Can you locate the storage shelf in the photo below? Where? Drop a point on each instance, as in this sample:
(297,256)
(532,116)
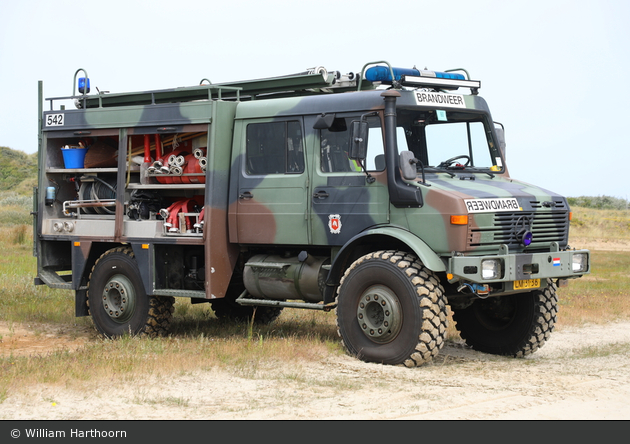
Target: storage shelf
(161,186)
(82,170)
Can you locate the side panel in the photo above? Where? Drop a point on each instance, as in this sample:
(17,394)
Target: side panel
(345,201)
(269,180)
(220,254)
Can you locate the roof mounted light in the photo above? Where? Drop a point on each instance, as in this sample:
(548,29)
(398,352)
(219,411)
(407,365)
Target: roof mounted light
(83,83)
(419,77)
(440,82)
(384,74)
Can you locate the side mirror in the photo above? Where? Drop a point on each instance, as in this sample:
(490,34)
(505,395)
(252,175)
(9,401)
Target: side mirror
(407,162)
(500,136)
(358,139)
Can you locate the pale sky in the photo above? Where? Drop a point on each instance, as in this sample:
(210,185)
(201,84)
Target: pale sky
(551,71)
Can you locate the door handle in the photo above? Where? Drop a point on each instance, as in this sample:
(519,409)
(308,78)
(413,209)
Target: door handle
(246,195)
(321,195)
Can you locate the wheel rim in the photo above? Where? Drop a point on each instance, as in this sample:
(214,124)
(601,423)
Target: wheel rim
(379,314)
(119,298)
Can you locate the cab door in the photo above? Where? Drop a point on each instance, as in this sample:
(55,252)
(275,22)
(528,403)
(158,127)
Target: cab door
(271,201)
(345,200)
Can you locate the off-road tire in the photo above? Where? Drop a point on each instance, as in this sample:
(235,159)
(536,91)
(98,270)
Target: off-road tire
(515,325)
(115,283)
(411,300)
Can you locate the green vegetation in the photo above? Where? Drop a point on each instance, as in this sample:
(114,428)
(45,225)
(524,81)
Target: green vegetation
(15,209)
(18,171)
(18,177)
(599,202)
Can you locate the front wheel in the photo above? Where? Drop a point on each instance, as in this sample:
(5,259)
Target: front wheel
(391,310)
(117,300)
(514,325)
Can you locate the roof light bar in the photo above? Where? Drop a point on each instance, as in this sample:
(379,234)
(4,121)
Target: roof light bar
(440,82)
(418,77)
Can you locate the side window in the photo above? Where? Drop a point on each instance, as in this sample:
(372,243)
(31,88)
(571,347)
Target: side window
(295,148)
(335,144)
(274,148)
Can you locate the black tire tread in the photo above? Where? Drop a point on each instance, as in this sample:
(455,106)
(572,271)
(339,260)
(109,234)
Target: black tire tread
(539,331)
(430,297)
(161,308)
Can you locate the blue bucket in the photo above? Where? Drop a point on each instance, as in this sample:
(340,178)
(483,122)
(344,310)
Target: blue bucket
(74,157)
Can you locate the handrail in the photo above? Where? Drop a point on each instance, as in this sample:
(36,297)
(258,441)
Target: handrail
(459,69)
(362,73)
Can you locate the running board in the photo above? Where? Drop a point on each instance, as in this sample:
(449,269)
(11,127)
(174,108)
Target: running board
(179,293)
(268,303)
(53,280)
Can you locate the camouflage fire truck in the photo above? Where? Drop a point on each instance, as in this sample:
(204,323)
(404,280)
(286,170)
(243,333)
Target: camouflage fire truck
(383,195)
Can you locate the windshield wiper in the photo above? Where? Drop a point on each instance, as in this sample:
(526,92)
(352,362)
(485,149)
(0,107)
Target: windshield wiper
(444,170)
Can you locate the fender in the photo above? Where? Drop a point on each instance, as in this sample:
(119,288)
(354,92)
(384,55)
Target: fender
(379,238)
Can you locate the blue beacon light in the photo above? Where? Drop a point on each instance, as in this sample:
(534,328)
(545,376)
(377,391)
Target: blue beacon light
(84,85)
(383,74)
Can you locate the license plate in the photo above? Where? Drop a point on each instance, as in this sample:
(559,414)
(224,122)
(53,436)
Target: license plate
(527,283)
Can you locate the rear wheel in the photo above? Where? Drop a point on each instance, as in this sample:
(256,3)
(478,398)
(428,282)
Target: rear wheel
(391,310)
(515,325)
(117,300)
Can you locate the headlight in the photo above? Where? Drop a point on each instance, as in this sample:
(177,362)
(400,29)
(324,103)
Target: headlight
(491,269)
(579,262)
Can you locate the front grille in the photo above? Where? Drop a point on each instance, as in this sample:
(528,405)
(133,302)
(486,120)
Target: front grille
(557,204)
(546,227)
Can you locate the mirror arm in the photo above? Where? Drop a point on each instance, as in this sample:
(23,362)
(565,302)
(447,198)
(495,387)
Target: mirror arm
(368,177)
(417,161)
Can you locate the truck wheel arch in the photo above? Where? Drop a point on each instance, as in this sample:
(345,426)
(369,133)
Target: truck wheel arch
(84,257)
(372,240)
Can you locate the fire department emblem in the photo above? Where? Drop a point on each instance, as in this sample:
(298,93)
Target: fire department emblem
(334,223)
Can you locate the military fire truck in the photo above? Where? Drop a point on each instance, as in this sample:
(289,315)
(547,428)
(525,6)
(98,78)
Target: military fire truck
(383,195)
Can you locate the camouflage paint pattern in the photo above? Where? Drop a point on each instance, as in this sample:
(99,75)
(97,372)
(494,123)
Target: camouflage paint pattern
(334,214)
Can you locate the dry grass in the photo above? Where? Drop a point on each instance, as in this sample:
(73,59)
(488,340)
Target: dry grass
(199,342)
(589,224)
(600,297)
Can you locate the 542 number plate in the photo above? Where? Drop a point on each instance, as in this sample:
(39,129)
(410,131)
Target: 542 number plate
(54,120)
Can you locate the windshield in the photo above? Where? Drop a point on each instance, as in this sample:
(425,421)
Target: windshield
(448,139)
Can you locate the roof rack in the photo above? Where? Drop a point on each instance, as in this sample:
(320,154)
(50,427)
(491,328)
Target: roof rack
(313,81)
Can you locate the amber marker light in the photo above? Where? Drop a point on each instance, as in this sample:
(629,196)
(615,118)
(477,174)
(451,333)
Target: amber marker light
(145,246)
(570,216)
(459,220)
(77,244)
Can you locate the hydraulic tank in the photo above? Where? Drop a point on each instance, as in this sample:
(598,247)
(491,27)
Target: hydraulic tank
(274,277)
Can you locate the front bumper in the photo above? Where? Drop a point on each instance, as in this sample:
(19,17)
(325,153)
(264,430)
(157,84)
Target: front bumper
(554,264)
